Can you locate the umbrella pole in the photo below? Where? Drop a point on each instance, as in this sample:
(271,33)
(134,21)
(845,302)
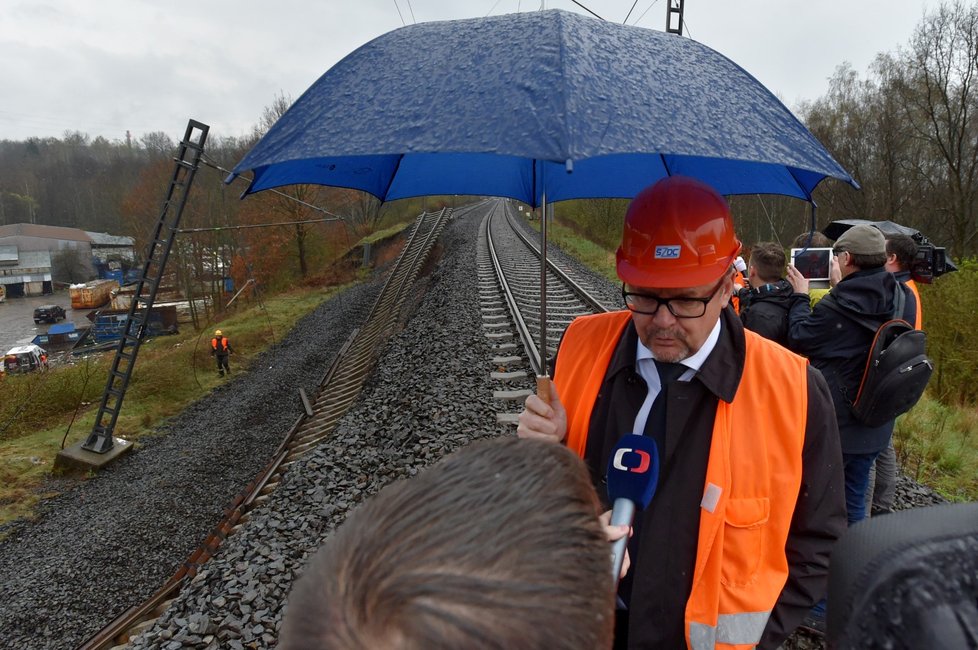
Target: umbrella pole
(543,379)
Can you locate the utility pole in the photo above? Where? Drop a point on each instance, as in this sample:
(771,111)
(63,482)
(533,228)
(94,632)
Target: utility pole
(674,17)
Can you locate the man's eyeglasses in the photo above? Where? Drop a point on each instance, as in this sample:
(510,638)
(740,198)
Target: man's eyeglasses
(680,307)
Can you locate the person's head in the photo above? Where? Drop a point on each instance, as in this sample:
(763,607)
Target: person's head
(859,248)
(767,260)
(496,546)
(218,333)
(678,245)
(818,240)
(900,253)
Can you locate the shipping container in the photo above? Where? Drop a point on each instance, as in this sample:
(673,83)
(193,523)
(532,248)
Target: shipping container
(109,324)
(92,294)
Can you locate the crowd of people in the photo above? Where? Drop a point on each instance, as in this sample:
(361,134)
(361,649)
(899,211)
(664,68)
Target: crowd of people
(762,465)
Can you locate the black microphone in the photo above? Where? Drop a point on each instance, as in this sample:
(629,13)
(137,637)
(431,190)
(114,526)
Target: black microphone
(633,473)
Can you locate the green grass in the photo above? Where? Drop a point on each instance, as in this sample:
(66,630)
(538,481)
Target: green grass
(383,234)
(938,446)
(588,252)
(171,373)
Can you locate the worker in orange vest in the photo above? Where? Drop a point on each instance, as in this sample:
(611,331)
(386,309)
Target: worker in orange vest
(733,550)
(220,350)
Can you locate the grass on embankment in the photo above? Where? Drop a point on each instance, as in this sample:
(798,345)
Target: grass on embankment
(936,443)
(590,254)
(36,409)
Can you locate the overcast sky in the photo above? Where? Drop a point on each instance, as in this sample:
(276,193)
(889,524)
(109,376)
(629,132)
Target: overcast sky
(103,67)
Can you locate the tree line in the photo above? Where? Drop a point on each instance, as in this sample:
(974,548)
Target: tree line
(118,187)
(907,130)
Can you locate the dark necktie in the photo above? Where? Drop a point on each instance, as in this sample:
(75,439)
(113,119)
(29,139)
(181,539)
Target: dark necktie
(668,373)
(655,428)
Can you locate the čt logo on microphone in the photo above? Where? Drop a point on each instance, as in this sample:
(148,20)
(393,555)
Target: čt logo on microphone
(643,458)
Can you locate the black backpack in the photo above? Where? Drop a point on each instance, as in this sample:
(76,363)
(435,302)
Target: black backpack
(897,366)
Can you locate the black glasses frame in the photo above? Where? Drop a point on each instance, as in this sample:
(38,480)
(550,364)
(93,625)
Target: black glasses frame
(668,301)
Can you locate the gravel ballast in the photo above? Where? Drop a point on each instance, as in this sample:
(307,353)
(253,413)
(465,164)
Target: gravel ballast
(111,541)
(114,540)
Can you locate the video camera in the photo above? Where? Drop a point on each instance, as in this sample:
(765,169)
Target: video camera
(929,262)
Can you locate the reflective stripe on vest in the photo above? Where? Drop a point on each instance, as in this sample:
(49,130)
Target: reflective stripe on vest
(731,629)
(752,479)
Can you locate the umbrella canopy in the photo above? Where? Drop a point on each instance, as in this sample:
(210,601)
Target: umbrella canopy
(835,229)
(537,104)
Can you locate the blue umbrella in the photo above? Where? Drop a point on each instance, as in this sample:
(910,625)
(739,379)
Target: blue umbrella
(543,104)
(537,106)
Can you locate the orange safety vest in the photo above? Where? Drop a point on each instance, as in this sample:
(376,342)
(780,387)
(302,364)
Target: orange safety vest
(738,278)
(753,476)
(223,343)
(919,324)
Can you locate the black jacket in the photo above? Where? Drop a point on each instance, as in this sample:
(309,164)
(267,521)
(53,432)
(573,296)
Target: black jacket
(838,346)
(666,533)
(764,310)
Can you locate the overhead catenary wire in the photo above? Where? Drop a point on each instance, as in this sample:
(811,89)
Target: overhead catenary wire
(399,13)
(586,9)
(213,165)
(769,219)
(625,22)
(637,21)
(256,225)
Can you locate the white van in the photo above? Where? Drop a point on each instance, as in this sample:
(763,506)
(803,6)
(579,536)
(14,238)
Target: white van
(24,358)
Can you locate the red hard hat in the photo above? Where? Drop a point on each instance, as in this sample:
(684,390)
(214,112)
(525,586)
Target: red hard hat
(678,233)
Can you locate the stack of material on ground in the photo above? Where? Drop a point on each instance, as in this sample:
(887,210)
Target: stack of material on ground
(92,294)
(109,324)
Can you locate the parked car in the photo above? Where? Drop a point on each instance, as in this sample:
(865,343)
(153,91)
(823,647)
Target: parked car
(49,314)
(25,358)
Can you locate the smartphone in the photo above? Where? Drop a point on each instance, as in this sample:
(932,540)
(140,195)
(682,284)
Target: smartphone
(812,263)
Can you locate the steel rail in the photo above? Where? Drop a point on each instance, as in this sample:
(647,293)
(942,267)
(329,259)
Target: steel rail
(554,302)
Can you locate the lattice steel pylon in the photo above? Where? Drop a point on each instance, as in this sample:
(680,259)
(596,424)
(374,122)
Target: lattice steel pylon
(187,159)
(674,17)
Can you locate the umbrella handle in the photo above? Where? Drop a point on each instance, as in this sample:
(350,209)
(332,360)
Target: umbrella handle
(543,388)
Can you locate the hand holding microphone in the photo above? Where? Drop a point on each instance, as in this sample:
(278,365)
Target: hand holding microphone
(633,473)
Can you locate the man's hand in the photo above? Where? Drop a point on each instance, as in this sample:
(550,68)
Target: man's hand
(543,421)
(614,533)
(835,273)
(798,282)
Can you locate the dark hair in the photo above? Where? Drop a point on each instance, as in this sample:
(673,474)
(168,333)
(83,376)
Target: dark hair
(818,240)
(768,259)
(905,249)
(496,546)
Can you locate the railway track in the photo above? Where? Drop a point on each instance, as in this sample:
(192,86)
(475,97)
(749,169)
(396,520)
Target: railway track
(337,392)
(509,289)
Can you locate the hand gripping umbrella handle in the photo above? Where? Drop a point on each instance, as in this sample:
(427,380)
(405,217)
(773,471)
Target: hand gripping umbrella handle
(543,388)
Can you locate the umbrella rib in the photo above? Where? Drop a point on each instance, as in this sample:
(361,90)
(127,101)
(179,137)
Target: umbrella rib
(662,157)
(808,193)
(390,181)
